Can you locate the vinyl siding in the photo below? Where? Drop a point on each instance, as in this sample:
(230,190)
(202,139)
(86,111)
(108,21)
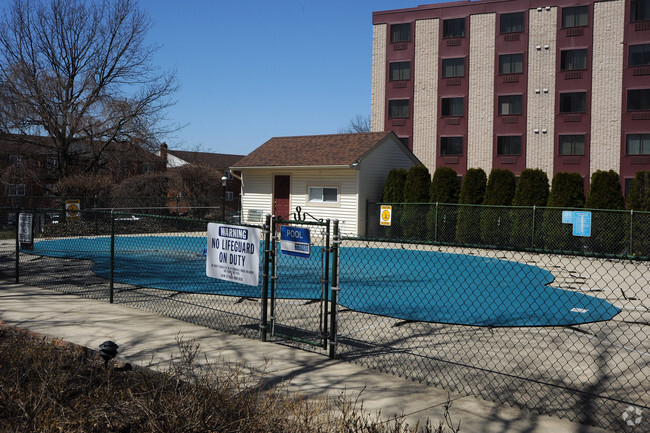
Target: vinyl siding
(257,194)
(373,172)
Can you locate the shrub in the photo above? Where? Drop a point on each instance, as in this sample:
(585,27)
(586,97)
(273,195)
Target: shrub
(441,219)
(567,191)
(155,187)
(495,221)
(416,190)
(532,190)
(393,192)
(471,194)
(86,188)
(607,228)
(638,199)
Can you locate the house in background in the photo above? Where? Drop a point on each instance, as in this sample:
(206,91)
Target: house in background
(29,165)
(217,161)
(328,176)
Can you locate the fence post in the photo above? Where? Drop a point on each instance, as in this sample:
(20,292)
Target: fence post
(336,241)
(17,246)
(111,281)
(435,225)
(265,277)
(532,236)
(631,231)
(325,285)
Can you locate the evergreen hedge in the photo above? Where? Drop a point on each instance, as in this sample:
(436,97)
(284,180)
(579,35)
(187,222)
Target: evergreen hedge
(567,191)
(638,199)
(416,190)
(469,217)
(496,223)
(531,191)
(393,192)
(445,190)
(608,229)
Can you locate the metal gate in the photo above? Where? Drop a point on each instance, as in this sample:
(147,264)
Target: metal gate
(297,294)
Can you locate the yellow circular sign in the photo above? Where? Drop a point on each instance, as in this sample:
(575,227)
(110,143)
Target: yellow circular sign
(385,215)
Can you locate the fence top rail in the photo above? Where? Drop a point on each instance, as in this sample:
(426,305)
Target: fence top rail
(511,207)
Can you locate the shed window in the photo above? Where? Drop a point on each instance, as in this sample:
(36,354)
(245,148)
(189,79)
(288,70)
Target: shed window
(323,194)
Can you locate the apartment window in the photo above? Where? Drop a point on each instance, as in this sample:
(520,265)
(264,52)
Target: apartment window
(453,28)
(400,32)
(148,167)
(230,195)
(637,144)
(511,23)
(49,190)
(571,60)
(639,55)
(638,99)
(640,10)
(16,189)
(398,108)
(511,63)
(509,145)
(575,102)
(453,67)
(452,107)
(510,104)
(52,162)
(571,144)
(17,160)
(323,194)
(451,146)
(577,16)
(400,71)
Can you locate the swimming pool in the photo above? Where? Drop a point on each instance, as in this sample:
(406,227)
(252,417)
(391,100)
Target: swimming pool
(405,284)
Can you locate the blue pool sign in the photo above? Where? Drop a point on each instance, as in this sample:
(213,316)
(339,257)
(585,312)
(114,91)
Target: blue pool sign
(567,217)
(582,223)
(295,241)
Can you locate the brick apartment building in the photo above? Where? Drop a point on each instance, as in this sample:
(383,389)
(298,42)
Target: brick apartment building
(561,85)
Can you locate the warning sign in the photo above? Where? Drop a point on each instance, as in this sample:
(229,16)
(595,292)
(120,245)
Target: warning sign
(232,253)
(72,208)
(385,215)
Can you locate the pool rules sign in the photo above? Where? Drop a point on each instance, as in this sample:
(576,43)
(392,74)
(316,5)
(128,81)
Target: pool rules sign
(232,254)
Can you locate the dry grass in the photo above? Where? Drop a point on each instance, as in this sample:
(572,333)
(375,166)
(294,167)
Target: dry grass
(53,386)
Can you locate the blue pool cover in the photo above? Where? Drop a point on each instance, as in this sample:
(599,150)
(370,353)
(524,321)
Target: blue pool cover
(405,284)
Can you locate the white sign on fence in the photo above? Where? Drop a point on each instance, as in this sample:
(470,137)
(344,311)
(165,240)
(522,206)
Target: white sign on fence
(232,253)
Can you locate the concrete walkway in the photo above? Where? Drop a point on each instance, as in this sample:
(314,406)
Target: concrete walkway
(150,340)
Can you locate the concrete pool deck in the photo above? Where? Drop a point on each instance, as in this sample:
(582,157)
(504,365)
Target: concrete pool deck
(148,339)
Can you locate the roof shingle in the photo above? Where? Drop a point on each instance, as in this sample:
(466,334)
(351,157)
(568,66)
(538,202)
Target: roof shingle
(312,150)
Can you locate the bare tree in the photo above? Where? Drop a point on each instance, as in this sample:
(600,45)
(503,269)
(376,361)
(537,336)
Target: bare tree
(358,123)
(80,72)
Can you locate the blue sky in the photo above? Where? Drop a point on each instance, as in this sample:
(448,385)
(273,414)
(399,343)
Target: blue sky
(252,70)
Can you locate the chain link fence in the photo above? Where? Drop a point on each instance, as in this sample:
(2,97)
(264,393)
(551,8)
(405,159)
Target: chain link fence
(507,304)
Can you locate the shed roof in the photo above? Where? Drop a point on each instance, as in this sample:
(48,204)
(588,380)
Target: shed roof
(313,150)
